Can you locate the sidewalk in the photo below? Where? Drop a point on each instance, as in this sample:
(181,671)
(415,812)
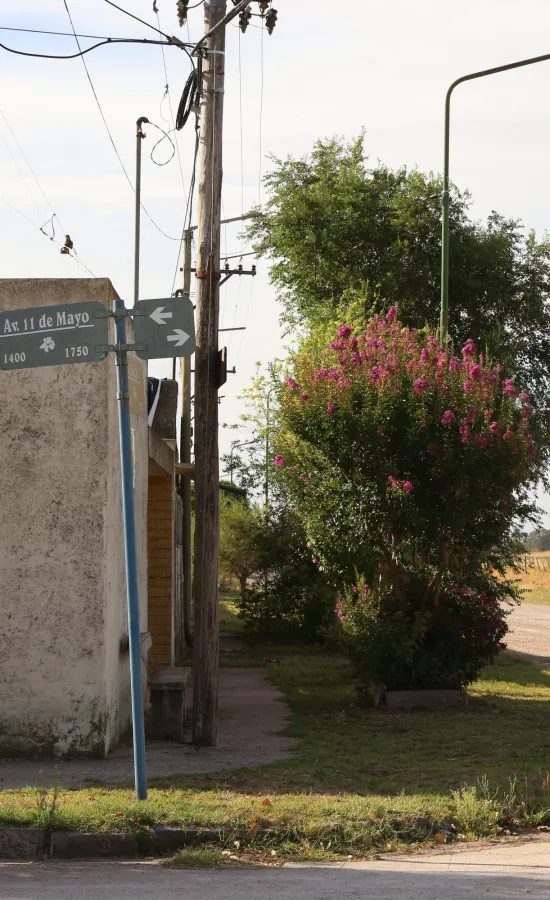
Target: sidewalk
(252,715)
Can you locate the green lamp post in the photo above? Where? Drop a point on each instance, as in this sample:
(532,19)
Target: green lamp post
(444,318)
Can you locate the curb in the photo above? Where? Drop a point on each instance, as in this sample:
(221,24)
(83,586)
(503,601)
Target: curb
(35,843)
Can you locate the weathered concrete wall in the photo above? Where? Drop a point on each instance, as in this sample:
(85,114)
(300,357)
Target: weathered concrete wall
(63,681)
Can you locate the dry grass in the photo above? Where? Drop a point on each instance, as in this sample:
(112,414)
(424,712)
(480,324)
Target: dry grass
(536,580)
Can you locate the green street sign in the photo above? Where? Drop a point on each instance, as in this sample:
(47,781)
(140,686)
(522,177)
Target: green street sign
(164,328)
(53,335)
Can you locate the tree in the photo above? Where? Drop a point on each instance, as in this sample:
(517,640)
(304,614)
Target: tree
(240,525)
(337,229)
(410,468)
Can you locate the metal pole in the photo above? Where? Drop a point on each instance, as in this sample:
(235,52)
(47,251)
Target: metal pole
(139,137)
(132,595)
(444,315)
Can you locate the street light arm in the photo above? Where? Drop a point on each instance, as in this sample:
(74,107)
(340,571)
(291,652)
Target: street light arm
(444,318)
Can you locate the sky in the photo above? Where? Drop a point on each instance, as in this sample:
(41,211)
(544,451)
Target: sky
(328,69)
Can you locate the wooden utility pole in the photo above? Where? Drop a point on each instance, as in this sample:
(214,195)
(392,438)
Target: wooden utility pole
(184,634)
(207,510)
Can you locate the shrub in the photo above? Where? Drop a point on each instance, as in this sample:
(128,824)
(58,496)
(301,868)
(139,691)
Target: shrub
(410,467)
(445,647)
(289,596)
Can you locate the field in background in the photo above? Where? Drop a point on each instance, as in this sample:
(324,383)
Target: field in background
(535,577)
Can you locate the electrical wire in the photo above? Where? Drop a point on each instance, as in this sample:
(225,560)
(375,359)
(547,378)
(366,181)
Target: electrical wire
(187,98)
(245,321)
(172,120)
(54,215)
(23,179)
(22,152)
(189,207)
(132,16)
(94,37)
(128,179)
(165,136)
(81,53)
(74,255)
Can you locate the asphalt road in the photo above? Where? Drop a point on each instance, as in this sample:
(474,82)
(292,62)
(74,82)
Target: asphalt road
(503,872)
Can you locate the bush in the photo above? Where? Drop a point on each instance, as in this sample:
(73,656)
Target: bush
(299,601)
(445,647)
(410,469)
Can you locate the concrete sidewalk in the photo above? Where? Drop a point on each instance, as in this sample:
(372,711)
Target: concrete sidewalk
(253,714)
(503,872)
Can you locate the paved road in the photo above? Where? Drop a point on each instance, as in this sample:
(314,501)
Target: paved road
(530,633)
(500,873)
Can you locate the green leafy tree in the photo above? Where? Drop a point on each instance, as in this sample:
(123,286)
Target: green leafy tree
(240,541)
(336,228)
(287,593)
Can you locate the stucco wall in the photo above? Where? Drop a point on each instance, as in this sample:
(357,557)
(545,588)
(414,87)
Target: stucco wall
(63,681)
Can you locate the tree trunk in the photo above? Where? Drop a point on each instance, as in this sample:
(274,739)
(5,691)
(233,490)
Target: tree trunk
(243,581)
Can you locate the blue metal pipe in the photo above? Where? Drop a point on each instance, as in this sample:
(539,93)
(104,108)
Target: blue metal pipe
(132,594)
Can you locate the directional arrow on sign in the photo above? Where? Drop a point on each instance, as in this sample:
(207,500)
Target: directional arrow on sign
(164,328)
(159,316)
(179,336)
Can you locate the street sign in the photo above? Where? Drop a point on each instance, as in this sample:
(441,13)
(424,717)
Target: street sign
(53,335)
(164,328)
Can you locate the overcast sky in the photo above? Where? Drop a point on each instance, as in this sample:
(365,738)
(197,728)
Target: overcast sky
(329,68)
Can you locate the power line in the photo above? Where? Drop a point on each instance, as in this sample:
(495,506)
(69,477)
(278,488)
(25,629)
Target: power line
(23,179)
(128,179)
(132,16)
(189,206)
(81,53)
(77,259)
(172,120)
(94,37)
(33,173)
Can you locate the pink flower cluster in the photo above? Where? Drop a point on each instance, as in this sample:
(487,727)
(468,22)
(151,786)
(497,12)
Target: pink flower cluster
(405,486)
(339,610)
(462,392)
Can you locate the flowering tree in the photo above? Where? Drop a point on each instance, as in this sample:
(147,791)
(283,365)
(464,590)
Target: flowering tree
(411,468)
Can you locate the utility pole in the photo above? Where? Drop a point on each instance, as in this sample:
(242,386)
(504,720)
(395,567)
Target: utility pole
(211,48)
(185,636)
(207,513)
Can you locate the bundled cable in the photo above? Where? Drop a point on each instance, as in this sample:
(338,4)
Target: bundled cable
(187,100)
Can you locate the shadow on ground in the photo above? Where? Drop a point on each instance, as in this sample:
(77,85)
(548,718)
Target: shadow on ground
(416,879)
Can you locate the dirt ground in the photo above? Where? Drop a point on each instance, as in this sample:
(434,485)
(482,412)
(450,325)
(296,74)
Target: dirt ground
(529,635)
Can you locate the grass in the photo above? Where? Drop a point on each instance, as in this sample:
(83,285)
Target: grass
(230,623)
(359,779)
(535,582)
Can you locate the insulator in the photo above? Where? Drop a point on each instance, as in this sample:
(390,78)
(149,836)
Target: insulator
(181,7)
(271,20)
(245,18)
